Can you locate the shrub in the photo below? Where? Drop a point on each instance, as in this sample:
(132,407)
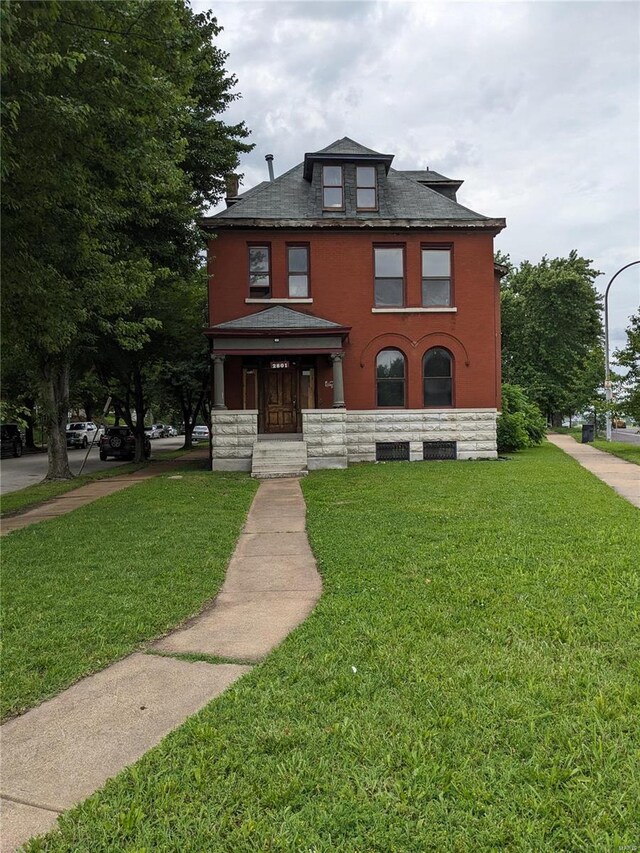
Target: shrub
(521,423)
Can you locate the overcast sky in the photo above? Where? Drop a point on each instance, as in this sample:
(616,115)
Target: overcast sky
(534,104)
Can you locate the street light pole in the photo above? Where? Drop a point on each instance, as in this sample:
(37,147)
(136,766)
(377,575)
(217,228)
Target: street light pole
(607,380)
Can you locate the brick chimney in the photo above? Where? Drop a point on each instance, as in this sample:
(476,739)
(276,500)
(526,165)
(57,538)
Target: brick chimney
(233,183)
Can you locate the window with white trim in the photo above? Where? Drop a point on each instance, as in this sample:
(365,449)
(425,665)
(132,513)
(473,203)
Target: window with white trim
(366,196)
(298,271)
(332,188)
(389,276)
(260,271)
(436,278)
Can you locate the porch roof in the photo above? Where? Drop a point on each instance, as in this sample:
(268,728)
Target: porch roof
(277,320)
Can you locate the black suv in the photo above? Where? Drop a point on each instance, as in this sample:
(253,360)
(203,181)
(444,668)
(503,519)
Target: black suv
(120,442)
(11,440)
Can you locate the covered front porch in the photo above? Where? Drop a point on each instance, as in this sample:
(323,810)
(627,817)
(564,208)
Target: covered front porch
(276,375)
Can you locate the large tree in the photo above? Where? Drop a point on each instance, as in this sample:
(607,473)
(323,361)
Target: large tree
(112,145)
(552,333)
(629,358)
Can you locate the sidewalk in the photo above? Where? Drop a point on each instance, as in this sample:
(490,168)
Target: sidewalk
(91,492)
(622,476)
(60,752)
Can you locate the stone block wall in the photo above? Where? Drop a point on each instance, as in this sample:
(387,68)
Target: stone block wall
(474,430)
(324,431)
(233,434)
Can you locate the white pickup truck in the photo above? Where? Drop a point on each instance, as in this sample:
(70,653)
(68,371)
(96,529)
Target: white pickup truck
(82,433)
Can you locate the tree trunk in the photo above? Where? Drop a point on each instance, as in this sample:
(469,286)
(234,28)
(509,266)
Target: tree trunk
(138,394)
(55,392)
(556,419)
(30,426)
(186,419)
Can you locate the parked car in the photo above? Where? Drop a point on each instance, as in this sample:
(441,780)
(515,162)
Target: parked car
(82,433)
(155,431)
(11,440)
(171,431)
(200,433)
(618,423)
(120,443)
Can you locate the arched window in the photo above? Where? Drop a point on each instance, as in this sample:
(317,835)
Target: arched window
(390,373)
(438,377)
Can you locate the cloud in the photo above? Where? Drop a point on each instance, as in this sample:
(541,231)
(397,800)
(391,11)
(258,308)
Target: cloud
(533,104)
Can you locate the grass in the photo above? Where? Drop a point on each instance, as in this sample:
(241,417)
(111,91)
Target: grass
(85,589)
(27,498)
(468,682)
(623,449)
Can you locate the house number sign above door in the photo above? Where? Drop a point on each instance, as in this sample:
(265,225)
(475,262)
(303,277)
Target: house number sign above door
(279,365)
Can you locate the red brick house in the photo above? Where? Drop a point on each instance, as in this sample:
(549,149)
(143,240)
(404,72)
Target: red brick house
(353,308)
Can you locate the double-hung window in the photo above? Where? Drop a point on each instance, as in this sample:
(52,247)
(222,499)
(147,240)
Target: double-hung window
(438,377)
(260,271)
(366,188)
(390,374)
(389,276)
(298,271)
(332,188)
(436,278)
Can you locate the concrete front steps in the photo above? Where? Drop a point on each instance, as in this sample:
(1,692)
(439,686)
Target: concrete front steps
(279,458)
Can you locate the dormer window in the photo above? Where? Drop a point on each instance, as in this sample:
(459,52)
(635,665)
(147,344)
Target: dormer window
(332,188)
(366,188)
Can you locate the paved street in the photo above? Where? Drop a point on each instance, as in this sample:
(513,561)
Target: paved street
(31,468)
(630,436)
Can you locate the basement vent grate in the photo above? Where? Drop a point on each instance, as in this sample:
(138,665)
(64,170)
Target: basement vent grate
(438,450)
(392,451)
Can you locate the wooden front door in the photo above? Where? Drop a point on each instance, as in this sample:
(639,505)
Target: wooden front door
(279,400)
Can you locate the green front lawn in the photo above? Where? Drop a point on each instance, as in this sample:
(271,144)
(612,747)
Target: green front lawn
(31,496)
(85,589)
(469,681)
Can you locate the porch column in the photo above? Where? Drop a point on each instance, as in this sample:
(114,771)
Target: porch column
(218,381)
(338,384)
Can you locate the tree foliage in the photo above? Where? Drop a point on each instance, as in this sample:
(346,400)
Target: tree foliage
(552,333)
(112,146)
(521,423)
(629,357)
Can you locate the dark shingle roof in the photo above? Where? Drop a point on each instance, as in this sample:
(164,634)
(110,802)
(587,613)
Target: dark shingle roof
(350,148)
(292,199)
(278,317)
(427,175)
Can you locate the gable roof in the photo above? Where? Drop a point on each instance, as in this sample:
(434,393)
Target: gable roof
(278,318)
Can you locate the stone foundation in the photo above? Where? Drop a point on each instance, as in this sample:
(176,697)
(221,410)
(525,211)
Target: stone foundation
(324,431)
(233,434)
(473,430)
(336,437)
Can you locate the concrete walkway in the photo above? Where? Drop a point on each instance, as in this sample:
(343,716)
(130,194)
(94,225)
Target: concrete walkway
(63,504)
(622,476)
(59,753)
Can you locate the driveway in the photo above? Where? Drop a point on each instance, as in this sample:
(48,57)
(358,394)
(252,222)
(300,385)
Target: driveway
(32,467)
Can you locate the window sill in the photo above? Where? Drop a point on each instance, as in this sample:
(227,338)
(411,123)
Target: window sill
(273,300)
(414,310)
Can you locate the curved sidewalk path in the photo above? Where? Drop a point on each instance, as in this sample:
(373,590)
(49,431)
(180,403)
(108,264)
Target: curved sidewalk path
(622,476)
(60,752)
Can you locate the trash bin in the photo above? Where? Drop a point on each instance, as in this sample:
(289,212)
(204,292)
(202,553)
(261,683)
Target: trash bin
(588,433)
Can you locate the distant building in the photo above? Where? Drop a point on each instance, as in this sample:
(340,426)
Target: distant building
(357,307)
